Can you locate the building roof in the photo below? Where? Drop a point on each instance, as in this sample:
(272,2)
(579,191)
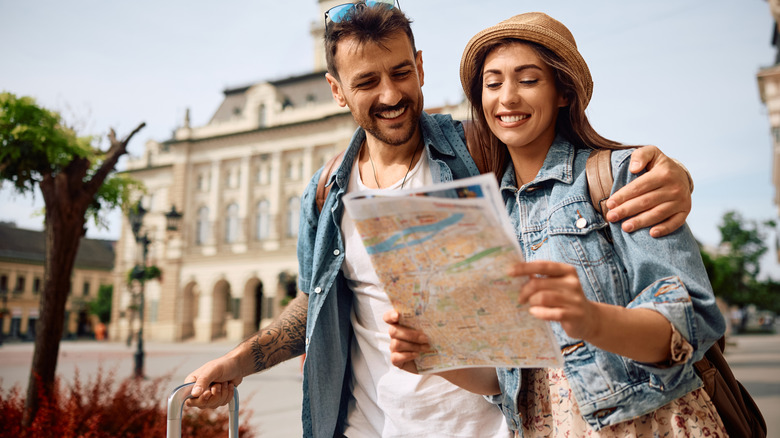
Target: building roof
(234,103)
(28,246)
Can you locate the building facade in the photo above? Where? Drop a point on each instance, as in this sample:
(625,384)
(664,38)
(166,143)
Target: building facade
(769,89)
(21,282)
(232,265)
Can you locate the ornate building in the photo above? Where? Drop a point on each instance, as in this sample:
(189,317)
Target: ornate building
(769,88)
(21,282)
(238,181)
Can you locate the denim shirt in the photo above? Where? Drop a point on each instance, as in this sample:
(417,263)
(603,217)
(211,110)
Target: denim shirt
(320,255)
(554,220)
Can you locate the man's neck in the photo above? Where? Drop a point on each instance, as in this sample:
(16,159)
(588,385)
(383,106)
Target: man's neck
(382,164)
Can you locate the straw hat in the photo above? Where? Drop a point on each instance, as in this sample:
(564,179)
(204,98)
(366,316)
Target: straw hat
(536,27)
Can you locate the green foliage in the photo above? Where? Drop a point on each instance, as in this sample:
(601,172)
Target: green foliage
(142,274)
(116,192)
(745,242)
(733,272)
(101,307)
(35,143)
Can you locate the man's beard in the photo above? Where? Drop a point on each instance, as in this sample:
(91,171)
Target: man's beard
(373,128)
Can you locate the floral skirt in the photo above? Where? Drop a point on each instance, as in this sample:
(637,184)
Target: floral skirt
(549,409)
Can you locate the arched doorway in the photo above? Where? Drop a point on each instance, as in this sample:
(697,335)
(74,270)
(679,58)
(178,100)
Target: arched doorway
(221,306)
(252,306)
(189,310)
(259,299)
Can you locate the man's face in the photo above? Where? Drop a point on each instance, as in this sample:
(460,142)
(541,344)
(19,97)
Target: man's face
(381,85)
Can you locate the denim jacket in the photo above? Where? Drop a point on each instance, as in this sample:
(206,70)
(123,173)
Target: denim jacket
(554,220)
(320,255)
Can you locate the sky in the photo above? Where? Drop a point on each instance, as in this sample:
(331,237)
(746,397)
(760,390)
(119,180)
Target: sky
(680,74)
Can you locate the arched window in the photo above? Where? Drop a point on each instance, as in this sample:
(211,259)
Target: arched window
(293,215)
(202,226)
(262,219)
(231,223)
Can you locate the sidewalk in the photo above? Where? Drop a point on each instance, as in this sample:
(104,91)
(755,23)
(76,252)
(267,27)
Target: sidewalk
(273,396)
(755,360)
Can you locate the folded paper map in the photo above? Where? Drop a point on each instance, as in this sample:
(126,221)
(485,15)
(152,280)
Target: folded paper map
(442,254)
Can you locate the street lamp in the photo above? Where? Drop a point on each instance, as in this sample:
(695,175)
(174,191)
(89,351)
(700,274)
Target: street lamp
(3,310)
(136,217)
(173,219)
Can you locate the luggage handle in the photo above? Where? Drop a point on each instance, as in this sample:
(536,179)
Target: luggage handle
(176,407)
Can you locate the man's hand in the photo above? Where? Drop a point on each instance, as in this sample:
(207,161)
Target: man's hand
(661,197)
(214,382)
(406,343)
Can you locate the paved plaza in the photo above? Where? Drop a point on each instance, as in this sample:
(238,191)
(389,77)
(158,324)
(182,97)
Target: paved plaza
(275,396)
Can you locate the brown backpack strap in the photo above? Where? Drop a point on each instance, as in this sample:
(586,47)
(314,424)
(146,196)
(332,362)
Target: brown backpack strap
(598,169)
(322,185)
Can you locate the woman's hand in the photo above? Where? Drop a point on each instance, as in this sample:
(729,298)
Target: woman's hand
(554,293)
(406,343)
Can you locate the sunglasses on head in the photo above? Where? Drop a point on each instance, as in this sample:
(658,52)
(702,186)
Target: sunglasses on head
(339,13)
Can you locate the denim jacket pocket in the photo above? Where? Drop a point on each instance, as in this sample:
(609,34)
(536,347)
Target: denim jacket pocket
(578,236)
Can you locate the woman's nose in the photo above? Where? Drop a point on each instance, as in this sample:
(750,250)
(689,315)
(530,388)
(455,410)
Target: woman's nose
(509,94)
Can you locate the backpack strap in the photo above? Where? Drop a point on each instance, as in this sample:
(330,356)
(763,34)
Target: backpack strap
(598,169)
(322,184)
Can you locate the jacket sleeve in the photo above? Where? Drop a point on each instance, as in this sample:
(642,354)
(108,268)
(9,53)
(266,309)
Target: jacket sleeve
(509,380)
(667,275)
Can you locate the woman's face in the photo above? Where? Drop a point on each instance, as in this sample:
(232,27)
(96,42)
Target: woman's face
(519,97)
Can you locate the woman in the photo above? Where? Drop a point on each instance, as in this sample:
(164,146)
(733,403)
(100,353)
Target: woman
(630,313)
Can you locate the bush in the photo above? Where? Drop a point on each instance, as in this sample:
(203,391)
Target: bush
(96,410)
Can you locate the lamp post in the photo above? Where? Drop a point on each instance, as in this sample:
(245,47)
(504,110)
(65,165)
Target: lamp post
(136,217)
(3,310)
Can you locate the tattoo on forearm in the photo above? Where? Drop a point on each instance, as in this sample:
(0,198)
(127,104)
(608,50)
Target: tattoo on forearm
(285,338)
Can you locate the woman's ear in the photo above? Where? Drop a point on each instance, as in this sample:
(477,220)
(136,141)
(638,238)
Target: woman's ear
(563,101)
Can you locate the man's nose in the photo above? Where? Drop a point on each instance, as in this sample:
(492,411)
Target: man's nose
(390,92)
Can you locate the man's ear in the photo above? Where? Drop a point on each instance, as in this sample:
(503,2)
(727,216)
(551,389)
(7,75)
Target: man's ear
(335,89)
(420,72)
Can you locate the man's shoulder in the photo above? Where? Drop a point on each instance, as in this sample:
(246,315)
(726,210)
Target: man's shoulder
(442,119)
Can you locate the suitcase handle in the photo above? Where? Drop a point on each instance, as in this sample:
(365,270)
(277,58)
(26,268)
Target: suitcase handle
(176,407)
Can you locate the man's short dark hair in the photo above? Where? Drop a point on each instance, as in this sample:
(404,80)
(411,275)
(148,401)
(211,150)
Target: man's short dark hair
(366,24)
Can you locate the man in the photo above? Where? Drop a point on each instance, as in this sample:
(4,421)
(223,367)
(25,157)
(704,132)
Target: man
(350,387)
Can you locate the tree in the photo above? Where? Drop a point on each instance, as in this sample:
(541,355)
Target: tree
(101,306)
(75,179)
(733,272)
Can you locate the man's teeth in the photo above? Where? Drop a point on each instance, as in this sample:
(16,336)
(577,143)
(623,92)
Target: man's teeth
(392,114)
(513,119)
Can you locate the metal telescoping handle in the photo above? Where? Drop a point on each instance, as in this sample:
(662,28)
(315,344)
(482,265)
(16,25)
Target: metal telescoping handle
(176,407)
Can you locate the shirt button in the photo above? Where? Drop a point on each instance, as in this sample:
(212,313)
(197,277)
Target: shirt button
(307,341)
(581,223)
(317,290)
(336,252)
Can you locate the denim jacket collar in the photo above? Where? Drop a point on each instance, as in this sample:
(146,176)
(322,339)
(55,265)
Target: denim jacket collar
(558,165)
(429,128)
